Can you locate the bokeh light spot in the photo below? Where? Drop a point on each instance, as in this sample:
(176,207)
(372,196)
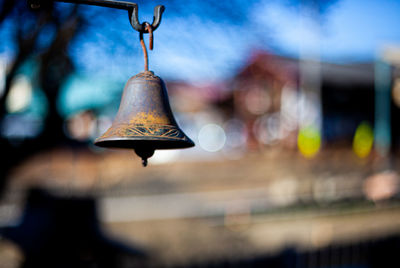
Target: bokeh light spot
(309,141)
(212,138)
(20,95)
(396,92)
(363,140)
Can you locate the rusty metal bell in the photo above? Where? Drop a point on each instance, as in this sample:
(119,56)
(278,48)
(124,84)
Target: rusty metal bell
(144,121)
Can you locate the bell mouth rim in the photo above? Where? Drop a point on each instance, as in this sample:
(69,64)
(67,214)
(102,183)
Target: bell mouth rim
(156,143)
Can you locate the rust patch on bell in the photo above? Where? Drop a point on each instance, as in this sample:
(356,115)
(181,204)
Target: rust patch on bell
(150,118)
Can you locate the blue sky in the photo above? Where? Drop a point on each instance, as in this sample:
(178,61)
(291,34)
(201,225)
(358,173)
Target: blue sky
(204,41)
(196,46)
(349,29)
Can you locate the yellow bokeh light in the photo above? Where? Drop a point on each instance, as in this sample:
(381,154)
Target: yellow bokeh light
(309,141)
(363,140)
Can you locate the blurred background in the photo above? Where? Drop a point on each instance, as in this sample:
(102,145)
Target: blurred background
(293,106)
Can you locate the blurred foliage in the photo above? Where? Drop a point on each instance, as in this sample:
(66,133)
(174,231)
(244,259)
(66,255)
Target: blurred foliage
(42,36)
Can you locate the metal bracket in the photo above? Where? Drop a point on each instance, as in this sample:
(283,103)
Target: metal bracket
(132,9)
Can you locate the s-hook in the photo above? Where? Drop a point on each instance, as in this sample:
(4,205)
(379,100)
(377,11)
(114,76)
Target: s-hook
(132,9)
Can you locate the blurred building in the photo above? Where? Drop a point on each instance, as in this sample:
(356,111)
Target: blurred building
(265,103)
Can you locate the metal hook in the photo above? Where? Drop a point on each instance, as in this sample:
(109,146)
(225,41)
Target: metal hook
(134,19)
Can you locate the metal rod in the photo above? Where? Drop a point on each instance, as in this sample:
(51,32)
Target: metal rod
(146,57)
(102,3)
(132,9)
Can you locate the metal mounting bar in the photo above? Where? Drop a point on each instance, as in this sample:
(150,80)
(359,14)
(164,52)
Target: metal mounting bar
(132,9)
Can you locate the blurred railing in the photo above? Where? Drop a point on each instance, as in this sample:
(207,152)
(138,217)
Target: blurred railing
(381,253)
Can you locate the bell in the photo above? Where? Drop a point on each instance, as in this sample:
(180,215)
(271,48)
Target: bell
(144,121)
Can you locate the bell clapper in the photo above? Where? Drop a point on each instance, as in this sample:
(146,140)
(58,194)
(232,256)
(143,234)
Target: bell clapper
(144,153)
